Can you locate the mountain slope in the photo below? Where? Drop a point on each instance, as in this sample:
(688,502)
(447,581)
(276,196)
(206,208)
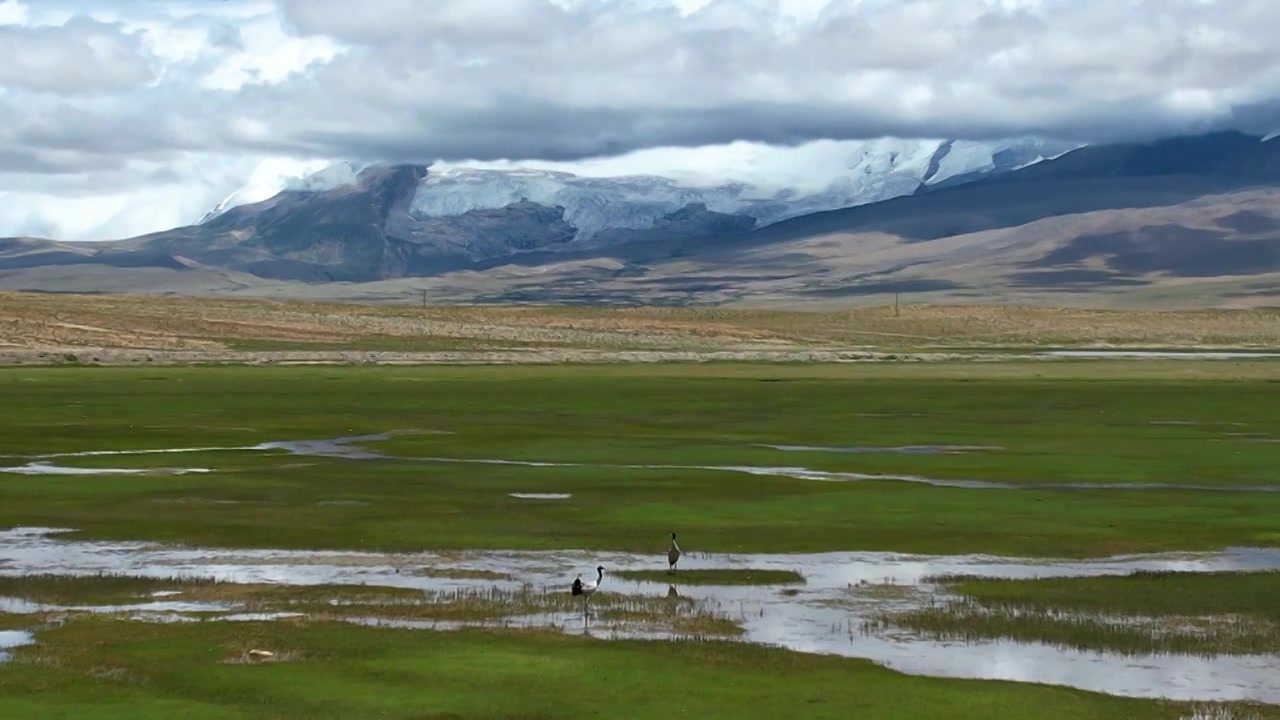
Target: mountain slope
(1180,213)
(1160,173)
(384,222)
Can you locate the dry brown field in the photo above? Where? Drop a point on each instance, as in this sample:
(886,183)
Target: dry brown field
(122,328)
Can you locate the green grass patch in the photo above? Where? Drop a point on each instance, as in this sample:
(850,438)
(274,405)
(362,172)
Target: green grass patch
(1145,612)
(117,588)
(1049,430)
(14,622)
(744,576)
(1156,593)
(337,504)
(101,668)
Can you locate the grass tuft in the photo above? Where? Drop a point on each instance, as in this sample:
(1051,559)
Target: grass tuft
(1202,614)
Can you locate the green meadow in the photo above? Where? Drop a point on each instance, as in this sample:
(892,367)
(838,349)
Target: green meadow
(595,425)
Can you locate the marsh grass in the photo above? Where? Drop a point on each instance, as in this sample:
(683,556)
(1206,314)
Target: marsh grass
(884,591)
(734,576)
(1225,711)
(470,605)
(968,621)
(119,588)
(1203,614)
(96,589)
(476,605)
(1153,593)
(9,621)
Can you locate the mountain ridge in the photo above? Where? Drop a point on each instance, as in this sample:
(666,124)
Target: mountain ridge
(1098,219)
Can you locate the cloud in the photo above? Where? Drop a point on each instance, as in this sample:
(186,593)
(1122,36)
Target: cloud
(598,78)
(13,12)
(81,56)
(137,84)
(535,79)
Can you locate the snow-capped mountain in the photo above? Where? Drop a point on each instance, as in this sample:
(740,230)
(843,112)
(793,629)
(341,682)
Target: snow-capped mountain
(595,201)
(644,229)
(327,177)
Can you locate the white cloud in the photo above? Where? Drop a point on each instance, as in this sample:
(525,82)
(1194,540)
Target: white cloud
(81,56)
(110,92)
(13,12)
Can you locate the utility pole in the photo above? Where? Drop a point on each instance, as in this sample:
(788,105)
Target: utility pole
(424,299)
(895,304)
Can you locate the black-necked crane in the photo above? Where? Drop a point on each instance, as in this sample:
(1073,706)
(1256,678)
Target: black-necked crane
(587,589)
(673,554)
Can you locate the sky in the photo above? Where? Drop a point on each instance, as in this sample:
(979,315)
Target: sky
(120,117)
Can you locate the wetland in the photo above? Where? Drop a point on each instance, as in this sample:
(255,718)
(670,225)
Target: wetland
(1103,547)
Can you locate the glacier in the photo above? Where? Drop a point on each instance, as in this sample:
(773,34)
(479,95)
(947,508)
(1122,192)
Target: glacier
(872,171)
(767,184)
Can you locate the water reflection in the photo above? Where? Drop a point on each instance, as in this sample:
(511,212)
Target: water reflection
(13,639)
(842,589)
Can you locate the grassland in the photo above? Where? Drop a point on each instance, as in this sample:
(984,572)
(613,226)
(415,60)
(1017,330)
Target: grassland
(635,449)
(103,668)
(607,420)
(39,327)
(1144,612)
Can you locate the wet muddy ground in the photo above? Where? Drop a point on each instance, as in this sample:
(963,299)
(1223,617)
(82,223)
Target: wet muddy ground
(826,614)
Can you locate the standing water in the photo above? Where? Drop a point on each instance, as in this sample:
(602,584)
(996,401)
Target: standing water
(821,616)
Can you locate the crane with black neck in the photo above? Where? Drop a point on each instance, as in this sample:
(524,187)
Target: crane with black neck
(587,589)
